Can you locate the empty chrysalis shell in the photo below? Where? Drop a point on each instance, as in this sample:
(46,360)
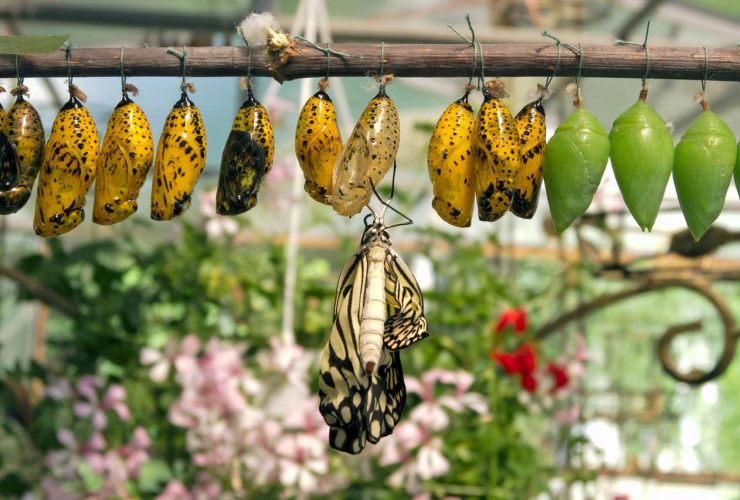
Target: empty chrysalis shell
(68,170)
(24,128)
(576,157)
(318,144)
(246,159)
(367,156)
(451,165)
(705,159)
(497,155)
(642,159)
(181,156)
(124,162)
(530,125)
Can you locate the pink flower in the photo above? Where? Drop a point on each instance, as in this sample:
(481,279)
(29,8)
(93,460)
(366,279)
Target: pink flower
(114,400)
(277,107)
(95,409)
(568,416)
(59,390)
(216,225)
(175,490)
(302,460)
(288,359)
(160,361)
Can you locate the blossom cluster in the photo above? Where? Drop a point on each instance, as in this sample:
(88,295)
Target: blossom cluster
(93,403)
(416,446)
(543,385)
(259,427)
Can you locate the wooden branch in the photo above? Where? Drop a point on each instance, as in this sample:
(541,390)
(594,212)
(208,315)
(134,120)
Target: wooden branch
(707,478)
(40,291)
(403,60)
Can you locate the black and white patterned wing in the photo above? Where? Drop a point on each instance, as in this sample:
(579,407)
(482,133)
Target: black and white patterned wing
(386,397)
(343,384)
(406,324)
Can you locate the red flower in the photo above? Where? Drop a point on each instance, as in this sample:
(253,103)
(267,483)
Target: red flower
(512,317)
(523,362)
(559,375)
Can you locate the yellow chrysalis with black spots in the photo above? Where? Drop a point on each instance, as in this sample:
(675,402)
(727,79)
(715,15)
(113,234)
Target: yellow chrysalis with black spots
(450,163)
(530,125)
(124,162)
(497,154)
(3,117)
(68,169)
(318,144)
(181,156)
(246,159)
(24,128)
(367,156)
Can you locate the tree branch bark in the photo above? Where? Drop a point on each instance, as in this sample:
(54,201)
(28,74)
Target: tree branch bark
(403,60)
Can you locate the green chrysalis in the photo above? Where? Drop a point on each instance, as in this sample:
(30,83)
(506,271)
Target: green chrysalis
(642,159)
(705,159)
(737,170)
(575,161)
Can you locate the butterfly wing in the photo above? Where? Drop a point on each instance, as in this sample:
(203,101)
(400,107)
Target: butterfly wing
(386,397)
(342,383)
(406,324)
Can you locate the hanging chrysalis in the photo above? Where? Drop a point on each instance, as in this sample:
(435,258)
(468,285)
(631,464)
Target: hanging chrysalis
(704,162)
(10,166)
(68,169)
(318,143)
(24,128)
(576,157)
(246,159)
(497,153)
(642,159)
(181,156)
(124,162)
(451,165)
(367,156)
(737,170)
(530,125)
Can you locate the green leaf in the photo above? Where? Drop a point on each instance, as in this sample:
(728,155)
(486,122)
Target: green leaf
(22,44)
(153,475)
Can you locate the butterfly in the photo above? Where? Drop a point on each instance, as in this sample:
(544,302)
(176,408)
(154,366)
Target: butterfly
(378,310)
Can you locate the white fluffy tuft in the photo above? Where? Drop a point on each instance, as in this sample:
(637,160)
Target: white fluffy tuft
(258,28)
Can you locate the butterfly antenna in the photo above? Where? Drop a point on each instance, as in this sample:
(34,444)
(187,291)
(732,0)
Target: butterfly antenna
(387,204)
